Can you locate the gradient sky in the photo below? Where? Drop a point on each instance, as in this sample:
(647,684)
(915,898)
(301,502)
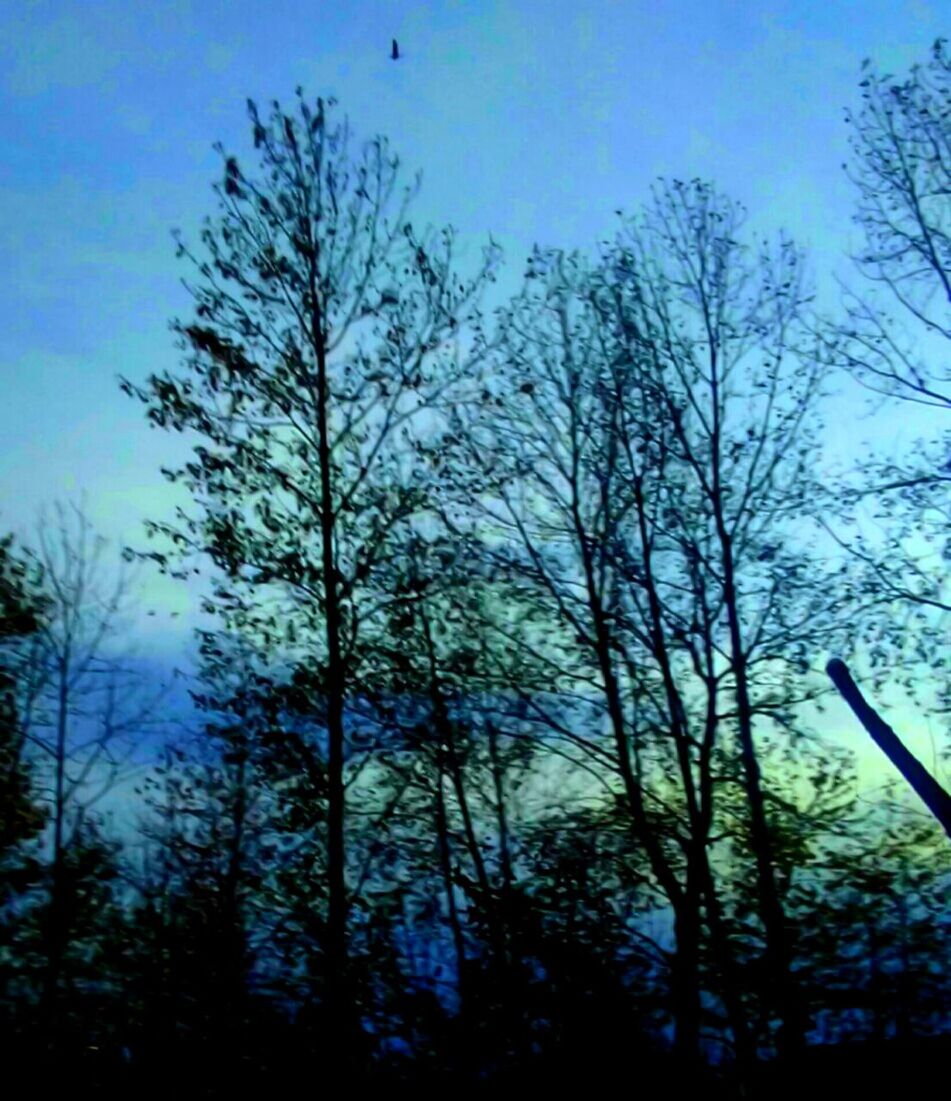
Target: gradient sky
(530,120)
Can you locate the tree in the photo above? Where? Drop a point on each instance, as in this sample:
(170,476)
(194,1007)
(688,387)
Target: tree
(552,497)
(901,162)
(739,384)
(21,607)
(88,709)
(894,341)
(461,753)
(22,814)
(322,343)
(195,918)
(644,461)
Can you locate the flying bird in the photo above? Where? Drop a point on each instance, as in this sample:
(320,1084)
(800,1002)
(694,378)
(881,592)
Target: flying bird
(395,52)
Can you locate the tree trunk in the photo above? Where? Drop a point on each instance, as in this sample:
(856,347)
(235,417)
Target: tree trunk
(445,867)
(57,932)
(919,778)
(341,1015)
(791,1036)
(686,983)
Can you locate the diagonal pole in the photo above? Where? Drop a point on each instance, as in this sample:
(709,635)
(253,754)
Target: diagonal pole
(927,787)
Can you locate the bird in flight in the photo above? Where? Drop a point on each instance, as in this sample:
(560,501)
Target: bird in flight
(395,52)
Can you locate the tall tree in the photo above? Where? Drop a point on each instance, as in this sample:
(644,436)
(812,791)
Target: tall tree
(720,328)
(900,166)
(894,337)
(645,455)
(459,751)
(551,501)
(327,333)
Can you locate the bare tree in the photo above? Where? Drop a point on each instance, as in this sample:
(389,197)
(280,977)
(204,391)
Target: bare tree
(894,340)
(646,450)
(901,168)
(89,710)
(722,331)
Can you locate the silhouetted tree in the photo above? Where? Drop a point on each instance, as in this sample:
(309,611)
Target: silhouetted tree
(894,340)
(88,708)
(22,814)
(901,161)
(719,333)
(324,329)
(22,603)
(193,979)
(644,452)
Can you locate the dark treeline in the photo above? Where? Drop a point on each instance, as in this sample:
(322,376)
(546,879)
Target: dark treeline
(510,764)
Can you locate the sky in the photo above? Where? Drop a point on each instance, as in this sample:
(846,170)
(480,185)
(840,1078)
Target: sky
(533,121)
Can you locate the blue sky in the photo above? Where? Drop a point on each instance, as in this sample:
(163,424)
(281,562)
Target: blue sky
(530,120)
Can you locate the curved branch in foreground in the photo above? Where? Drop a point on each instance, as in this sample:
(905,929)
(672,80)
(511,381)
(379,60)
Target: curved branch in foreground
(928,789)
